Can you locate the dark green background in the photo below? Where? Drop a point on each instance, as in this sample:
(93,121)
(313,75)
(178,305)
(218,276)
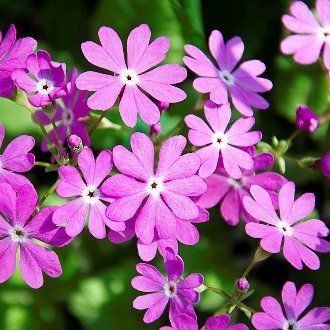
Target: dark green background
(94,291)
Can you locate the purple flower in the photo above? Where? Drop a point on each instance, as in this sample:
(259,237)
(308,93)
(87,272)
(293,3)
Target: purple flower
(132,76)
(182,322)
(187,234)
(294,303)
(75,143)
(179,292)
(20,232)
(243,83)
(311,34)
(221,322)
(300,237)
(45,80)
(242,284)
(70,112)
(219,140)
(324,164)
(306,119)
(13,54)
(158,197)
(16,158)
(229,192)
(87,201)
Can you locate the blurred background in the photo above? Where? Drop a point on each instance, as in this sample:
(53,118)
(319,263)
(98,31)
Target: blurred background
(94,291)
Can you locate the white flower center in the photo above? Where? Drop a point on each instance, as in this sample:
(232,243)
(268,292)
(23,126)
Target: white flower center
(18,234)
(236,183)
(324,33)
(290,325)
(67,117)
(44,86)
(91,194)
(170,289)
(220,140)
(155,186)
(227,77)
(284,228)
(129,77)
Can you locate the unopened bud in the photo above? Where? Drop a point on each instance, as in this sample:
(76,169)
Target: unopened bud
(63,156)
(155,129)
(306,119)
(242,284)
(162,106)
(324,164)
(75,143)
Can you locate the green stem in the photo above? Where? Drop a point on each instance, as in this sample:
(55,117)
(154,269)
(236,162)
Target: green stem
(47,194)
(219,292)
(97,122)
(43,164)
(56,133)
(292,137)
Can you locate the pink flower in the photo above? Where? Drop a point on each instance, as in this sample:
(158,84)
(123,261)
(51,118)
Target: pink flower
(87,201)
(16,158)
(70,112)
(311,35)
(294,303)
(45,80)
(229,192)
(20,232)
(13,54)
(187,234)
(219,140)
(300,237)
(132,76)
(306,119)
(179,292)
(242,82)
(158,197)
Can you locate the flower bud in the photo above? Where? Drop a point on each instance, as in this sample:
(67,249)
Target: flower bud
(155,129)
(62,156)
(75,143)
(324,164)
(162,106)
(242,284)
(306,119)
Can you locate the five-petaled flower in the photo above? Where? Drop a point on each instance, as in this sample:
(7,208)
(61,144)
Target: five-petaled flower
(131,76)
(21,231)
(220,141)
(242,83)
(45,80)
(158,197)
(87,202)
(229,192)
(179,292)
(295,304)
(300,237)
(311,34)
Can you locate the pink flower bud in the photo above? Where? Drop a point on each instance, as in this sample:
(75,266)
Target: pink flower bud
(155,129)
(306,119)
(242,284)
(162,106)
(63,156)
(324,164)
(75,143)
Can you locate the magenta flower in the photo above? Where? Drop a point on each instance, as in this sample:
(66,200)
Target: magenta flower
(219,140)
(188,234)
(70,112)
(19,231)
(306,119)
(15,159)
(158,197)
(242,83)
(229,192)
(132,77)
(13,54)
(87,201)
(311,35)
(294,303)
(45,80)
(179,292)
(300,237)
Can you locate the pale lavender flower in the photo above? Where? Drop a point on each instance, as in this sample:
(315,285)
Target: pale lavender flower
(300,237)
(131,77)
(20,232)
(225,76)
(295,304)
(311,33)
(13,53)
(179,292)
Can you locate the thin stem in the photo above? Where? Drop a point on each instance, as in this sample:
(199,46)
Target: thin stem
(43,164)
(292,137)
(248,269)
(97,122)
(56,133)
(47,194)
(219,292)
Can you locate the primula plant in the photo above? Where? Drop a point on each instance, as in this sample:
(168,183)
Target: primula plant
(163,181)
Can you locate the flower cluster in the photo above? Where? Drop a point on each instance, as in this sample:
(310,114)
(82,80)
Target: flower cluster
(160,187)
